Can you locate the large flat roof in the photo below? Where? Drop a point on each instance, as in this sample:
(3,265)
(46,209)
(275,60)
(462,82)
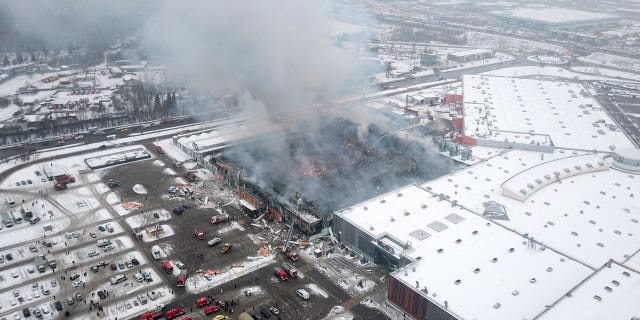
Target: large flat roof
(554,16)
(546,113)
(610,293)
(479,269)
(591,216)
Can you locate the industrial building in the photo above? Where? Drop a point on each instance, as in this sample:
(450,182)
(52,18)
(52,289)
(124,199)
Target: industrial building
(527,114)
(470,55)
(550,231)
(550,17)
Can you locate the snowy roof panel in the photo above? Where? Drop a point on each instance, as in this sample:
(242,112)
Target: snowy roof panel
(552,15)
(537,112)
(591,217)
(472,264)
(611,293)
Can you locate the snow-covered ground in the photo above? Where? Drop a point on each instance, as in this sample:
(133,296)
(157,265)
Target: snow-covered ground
(496,42)
(546,59)
(147,218)
(611,60)
(607,72)
(7,112)
(132,306)
(547,71)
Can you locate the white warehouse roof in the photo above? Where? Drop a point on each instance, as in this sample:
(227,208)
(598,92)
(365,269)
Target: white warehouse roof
(479,269)
(529,111)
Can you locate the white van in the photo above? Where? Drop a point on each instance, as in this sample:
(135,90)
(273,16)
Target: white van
(11,201)
(304,294)
(111,137)
(117,279)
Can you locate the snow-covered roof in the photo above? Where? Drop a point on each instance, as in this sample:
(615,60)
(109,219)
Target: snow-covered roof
(480,270)
(610,293)
(226,134)
(470,52)
(555,16)
(535,112)
(525,183)
(592,216)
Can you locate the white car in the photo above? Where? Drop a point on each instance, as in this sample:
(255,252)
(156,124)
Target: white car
(93,253)
(29,297)
(78,283)
(180,265)
(138,277)
(15,274)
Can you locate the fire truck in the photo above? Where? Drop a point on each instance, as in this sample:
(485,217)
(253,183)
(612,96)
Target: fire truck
(204,301)
(181,280)
(174,313)
(290,269)
(282,274)
(199,233)
(291,254)
(152,314)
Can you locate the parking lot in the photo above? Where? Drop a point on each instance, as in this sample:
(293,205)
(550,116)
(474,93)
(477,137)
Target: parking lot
(104,271)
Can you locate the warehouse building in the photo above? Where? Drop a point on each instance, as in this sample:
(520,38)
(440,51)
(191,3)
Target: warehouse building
(470,55)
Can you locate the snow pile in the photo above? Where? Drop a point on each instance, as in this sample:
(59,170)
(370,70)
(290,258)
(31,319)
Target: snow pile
(139,189)
(315,289)
(181,181)
(198,283)
(339,313)
(548,59)
(158,163)
(169,171)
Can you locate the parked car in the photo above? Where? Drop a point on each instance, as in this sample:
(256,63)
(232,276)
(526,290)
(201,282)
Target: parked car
(102,294)
(74,276)
(274,310)
(58,305)
(78,283)
(70,300)
(265,313)
(135,261)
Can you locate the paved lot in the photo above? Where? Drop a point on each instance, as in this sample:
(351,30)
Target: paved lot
(187,248)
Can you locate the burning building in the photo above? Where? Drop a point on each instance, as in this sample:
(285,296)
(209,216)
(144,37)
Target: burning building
(305,176)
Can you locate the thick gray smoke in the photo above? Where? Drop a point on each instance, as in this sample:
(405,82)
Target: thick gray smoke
(281,53)
(63,23)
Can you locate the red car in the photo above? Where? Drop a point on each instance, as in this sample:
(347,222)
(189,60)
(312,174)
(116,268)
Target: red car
(210,309)
(159,149)
(186,318)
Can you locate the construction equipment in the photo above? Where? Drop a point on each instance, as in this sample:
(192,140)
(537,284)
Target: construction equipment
(227,246)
